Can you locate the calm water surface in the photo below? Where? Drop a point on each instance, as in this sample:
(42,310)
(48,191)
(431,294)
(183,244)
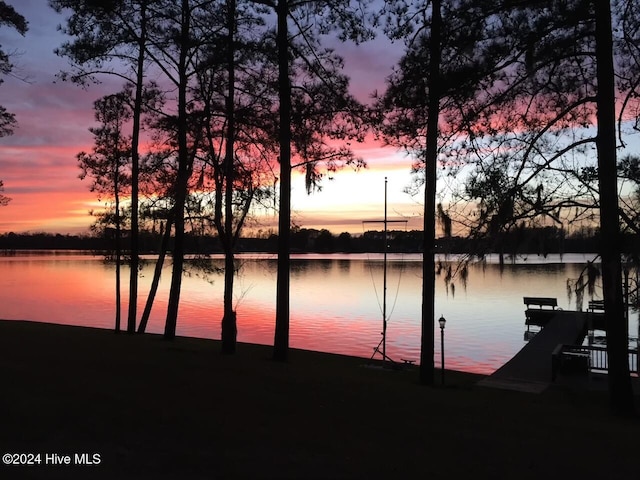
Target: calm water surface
(336,301)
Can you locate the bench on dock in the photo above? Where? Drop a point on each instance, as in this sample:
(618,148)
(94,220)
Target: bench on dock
(541,315)
(541,302)
(596,306)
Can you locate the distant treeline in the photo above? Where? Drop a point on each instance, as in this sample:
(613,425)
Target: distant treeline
(529,241)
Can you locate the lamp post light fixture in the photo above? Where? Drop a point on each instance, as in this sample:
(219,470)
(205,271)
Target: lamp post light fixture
(442,322)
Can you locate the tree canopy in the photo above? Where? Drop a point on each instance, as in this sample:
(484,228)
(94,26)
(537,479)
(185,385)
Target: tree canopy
(11,18)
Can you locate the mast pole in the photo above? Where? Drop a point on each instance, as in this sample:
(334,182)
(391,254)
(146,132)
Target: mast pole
(384,280)
(385,221)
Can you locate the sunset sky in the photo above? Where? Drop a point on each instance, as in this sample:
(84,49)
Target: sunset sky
(40,172)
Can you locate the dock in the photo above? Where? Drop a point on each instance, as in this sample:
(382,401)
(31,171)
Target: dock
(530,369)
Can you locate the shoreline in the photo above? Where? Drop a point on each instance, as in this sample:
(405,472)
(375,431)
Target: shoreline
(213,345)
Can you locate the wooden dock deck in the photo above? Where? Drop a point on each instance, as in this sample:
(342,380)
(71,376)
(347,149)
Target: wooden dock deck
(530,369)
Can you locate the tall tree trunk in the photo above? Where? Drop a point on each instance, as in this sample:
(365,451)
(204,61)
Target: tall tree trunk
(157,273)
(431,159)
(620,390)
(229,329)
(135,174)
(229,325)
(177,255)
(182,181)
(281,340)
(118,247)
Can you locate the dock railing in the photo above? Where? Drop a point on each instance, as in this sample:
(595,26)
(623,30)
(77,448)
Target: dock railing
(586,358)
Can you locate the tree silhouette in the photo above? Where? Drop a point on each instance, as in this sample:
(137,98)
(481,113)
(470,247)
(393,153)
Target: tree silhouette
(8,16)
(444,66)
(236,98)
(532,149)
(105,165)
(107,35)
(309,85)
(178,46)
(229,327)
(4,200)
(621,393)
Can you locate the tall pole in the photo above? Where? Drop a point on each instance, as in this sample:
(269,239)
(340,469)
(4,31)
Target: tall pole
(385,221)
(384,280)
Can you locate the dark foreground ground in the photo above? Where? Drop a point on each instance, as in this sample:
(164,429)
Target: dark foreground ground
(180,410)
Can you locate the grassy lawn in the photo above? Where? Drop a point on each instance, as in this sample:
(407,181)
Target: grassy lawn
(157,409)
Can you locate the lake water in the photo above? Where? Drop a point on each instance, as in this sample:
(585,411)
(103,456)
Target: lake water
(336,301)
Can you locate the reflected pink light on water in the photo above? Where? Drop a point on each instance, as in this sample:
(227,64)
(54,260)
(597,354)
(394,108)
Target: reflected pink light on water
(335,303)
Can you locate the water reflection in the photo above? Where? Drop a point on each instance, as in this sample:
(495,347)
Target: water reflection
(336,301)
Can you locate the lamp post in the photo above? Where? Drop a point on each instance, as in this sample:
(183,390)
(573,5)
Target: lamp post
(442,322)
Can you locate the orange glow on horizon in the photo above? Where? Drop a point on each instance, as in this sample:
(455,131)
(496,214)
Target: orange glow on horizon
(48,196)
